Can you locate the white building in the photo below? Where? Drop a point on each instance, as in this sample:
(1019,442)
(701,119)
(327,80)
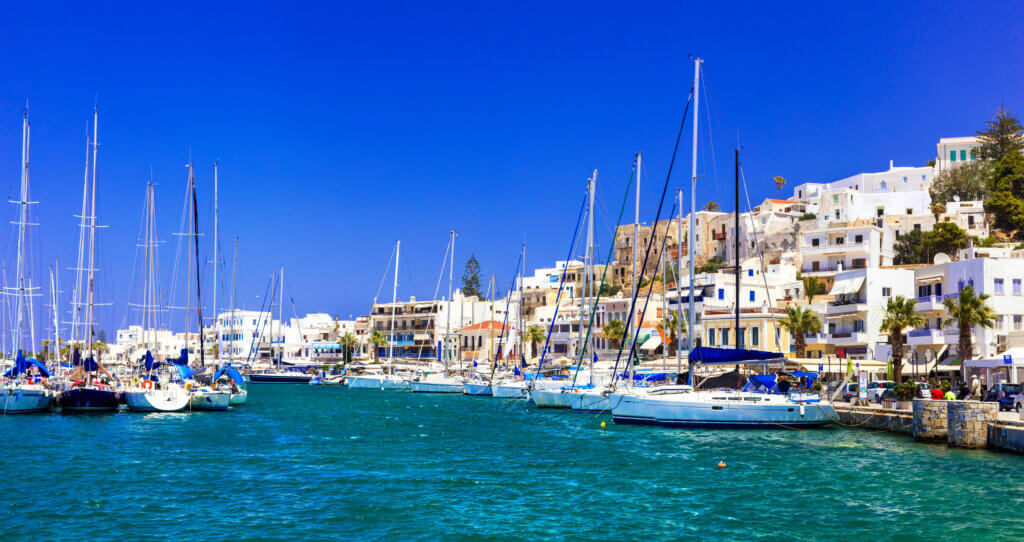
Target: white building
(894,180)
(953,151)
(831,250)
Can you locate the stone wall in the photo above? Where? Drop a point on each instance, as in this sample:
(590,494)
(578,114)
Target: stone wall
(930,420)
(899,421)
(967,422)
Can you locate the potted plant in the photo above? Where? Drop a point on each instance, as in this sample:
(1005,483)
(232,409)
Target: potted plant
(905,393)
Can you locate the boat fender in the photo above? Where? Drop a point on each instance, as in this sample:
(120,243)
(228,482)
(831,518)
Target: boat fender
(801,411)
(147,384)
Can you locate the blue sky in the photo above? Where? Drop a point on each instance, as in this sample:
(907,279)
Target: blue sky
(341,128)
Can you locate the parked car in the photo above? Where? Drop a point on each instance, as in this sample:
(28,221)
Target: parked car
(876,388)
(924,390)
(1018,403)
(849,392)
(1004,394)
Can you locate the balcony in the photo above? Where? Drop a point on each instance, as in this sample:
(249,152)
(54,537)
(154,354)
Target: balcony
(845,338)
(718,235)
(843,306)
(830,248)
(918,337)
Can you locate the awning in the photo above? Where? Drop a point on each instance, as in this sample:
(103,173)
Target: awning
(652,343)
(847,286)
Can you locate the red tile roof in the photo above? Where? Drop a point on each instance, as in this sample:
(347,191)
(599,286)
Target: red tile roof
(489,325)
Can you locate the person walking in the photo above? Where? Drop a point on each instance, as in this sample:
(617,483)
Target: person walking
(975,389)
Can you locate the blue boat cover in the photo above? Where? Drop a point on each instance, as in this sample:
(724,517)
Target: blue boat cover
(148,362)
(90,364)
(231,372)
(184,372)
(762,384)
(182,359)
(732,356)
(76,357)
(21,366)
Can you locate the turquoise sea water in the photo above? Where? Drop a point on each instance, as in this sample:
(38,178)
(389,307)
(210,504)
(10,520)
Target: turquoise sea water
(301,462)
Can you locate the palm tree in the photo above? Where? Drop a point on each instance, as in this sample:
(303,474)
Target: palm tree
(968,310)
(799,322)
(377,340)
(673,322)
(534,334)
(711,206)
(899,315)
(348,342)
(779,183)
(937,209)
(614,331)
(47,355)
(812,287)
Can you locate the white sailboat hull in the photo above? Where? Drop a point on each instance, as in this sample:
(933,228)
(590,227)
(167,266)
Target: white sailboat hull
(470,388)
(25,399)
(551,398)
(209,400)
(719,410)
(377,382)
(239,397)
(436,387)
(169,399)
(510,390)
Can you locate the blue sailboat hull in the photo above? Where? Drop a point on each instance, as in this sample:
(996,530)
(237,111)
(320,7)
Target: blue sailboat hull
(89,400)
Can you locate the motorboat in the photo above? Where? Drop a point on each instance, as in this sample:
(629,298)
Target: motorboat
(280,377)
(437,383)
(378,381)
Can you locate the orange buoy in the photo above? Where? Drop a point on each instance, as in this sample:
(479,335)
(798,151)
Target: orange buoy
(721,464)
(602,424)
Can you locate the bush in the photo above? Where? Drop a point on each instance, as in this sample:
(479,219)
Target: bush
(945,386)
(905,391)
(808,216)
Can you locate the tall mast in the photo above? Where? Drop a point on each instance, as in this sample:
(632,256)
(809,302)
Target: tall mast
(490,334)
(693,209)
(736,243)
(522,332)
(76,296)
(199,291)
(589,268)
(394,304)
(91,273)
(664,305)
(234,278)
(216,263)
(679,286)
(448,313)
(280,320)
(636,240)
(54,312)
(22,222)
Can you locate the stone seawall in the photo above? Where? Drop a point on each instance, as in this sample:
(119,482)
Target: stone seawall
(930,420)
(899,421)
(967,423)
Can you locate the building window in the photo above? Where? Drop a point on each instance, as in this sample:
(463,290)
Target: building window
(837,214)
(858,326)
(904,179)
(999,286)
(721,293)
(910,211)
(859,238)
(750,272)
(886,292)
(883,186)
(711,337)
(754,339)
(880,212)
(917,227)
(725,336)
(974,154)
(751,296)
(1016,322)
(815,242)
(1016,286)
(963,155)
(938,288)
(952,156)
(835,200)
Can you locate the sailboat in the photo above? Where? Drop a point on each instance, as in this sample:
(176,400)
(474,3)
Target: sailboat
(442,382)
(759,404)
(22,391)
(86,392)
(149,393)
(278,375)
(236,385)
(385,380)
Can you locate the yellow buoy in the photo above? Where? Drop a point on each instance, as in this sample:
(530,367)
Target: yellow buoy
(721,464)
(602,424)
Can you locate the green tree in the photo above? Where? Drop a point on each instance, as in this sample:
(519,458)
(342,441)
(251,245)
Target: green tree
(673,322)
(1008,175)
(1007,210)
(967,181)
(377,341)
(711,266)
(471,277)
(946,237)
(534,335)
(967,311)
(614,331)
(711,206)
(348,343)
(937,208)
(799,322)
(812,287)
(1001,137)
(899,316)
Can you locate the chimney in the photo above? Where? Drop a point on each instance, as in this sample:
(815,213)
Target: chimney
(890,165)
